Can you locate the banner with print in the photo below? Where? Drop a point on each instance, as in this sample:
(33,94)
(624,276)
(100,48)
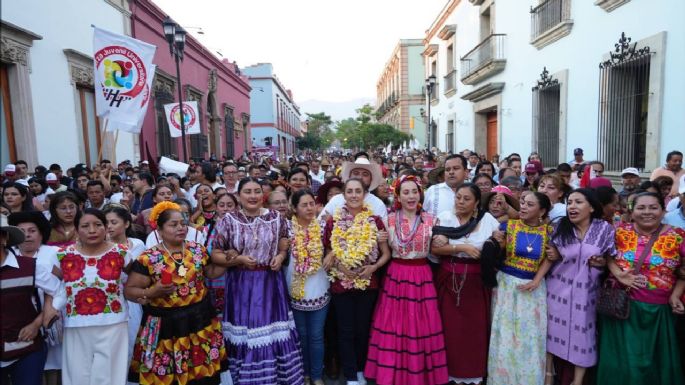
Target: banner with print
(113,125)
(123,74)
(191,118)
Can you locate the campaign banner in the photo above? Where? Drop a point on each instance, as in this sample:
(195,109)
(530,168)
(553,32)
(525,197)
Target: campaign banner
(113,125)
(191,118)
(123,75)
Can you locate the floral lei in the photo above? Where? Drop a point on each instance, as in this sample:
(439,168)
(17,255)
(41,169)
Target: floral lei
(307,253)
(352,246)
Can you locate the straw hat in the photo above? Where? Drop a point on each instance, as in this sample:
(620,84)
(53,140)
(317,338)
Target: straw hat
(363,163)
(14,234)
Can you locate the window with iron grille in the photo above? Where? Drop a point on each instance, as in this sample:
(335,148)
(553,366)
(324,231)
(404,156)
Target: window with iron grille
(624,107)
(546,111)
(229,124)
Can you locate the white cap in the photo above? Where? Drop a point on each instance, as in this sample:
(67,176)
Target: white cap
(10,168)
(145,162)
(51,177)
(631,171)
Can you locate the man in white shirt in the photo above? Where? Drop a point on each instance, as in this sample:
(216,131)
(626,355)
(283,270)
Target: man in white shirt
(371,176)
(440,197)
(316,172)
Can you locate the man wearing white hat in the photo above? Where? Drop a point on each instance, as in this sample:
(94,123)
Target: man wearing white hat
(371,176)
(630,178)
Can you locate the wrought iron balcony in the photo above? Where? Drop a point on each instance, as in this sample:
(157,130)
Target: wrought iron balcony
(484,60)
(451,82)
(549,22)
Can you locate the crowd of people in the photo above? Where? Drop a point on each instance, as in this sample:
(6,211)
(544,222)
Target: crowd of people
(405,268)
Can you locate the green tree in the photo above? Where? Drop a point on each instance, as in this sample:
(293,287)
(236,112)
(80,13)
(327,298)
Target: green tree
(363,133)
(319,133)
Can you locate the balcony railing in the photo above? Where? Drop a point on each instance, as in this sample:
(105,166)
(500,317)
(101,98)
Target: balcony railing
(451,81)
(484,60)
(548,15)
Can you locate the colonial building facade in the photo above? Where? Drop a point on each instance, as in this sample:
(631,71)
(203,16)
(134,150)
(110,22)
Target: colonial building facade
(221,92)
(275,116)
(46,75)
(555,75)
(400,99)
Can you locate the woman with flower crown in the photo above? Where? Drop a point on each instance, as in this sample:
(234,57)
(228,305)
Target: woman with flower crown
(353,256)
(180,339)
(308,283)
(259,327)
(407,345)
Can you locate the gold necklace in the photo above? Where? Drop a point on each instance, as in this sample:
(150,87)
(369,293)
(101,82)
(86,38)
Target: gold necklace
(182,270)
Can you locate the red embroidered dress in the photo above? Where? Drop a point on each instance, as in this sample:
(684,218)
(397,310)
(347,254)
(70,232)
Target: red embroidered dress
(94,286)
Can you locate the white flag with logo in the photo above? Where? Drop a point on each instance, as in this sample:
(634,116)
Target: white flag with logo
(123,74)
(113,125)
(191,118)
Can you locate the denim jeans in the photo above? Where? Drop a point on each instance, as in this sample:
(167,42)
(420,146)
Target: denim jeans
(27,370)
(310,328)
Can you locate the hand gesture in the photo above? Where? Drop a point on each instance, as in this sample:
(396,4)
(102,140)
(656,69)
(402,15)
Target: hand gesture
(634,281)
(277,261)
(597,261)
(552,253)
(676,305)
(439,240)
(471,251)
(328,261)
(530,286)
(366,272)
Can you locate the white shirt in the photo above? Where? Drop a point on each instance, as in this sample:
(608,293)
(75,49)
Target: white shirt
(338,201)
(477,238)
(319,176)
(557,212)
(154,239)
(116,197)
(438,198)
(190,195)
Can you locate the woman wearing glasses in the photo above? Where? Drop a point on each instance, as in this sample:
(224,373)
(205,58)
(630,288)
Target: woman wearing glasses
(64,207)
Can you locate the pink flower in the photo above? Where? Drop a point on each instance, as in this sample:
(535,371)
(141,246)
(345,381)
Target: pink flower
(161,370)
(166,359)
(214,354)
(183,291)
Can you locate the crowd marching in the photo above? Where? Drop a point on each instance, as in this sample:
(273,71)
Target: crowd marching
(406,268)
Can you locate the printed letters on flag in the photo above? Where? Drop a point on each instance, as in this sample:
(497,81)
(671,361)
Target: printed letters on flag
(123,74)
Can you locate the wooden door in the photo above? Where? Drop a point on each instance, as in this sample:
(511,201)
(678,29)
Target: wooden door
(491,136)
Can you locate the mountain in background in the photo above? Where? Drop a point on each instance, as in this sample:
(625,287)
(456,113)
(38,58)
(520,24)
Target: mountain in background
(336,110)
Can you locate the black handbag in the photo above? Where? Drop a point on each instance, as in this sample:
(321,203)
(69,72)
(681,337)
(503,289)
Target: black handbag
(613,299)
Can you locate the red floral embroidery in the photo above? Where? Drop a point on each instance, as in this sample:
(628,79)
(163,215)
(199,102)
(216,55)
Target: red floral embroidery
(90,301)
(115,306)
(92,261)
(198,355)
(110,266)
(68,289)
(112,288)
(72,267)
(183,291)
(68,308)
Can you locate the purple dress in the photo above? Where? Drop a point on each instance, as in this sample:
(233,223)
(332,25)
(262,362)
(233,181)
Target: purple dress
(572,286)
(259,328)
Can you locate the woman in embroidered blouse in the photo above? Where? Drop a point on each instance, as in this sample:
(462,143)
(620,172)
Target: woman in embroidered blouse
(519,320)
(64,207)
(259,326)
(407,345)
(353,256)
(95,344)
(308,283)
(179,340)
(643,349)
(464,299)
(582,241)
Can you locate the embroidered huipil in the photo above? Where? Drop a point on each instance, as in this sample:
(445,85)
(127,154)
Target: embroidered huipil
(419,246)
(660,266)
(525,248)
(94,286)
(316,294)
(190,288)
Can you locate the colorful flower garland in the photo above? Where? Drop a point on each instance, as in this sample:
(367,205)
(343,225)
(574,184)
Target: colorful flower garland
(159,209)
(352,246)
(308,256)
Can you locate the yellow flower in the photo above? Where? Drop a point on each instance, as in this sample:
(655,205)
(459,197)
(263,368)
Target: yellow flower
(359,240)
(307,256)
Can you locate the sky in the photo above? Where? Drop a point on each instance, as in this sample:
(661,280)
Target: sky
(325,50)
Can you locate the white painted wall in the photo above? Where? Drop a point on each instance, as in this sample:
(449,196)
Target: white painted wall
(593,35)
(63,25)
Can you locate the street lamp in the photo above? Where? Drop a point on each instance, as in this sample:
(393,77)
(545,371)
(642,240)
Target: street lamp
(430,83)
(176,37)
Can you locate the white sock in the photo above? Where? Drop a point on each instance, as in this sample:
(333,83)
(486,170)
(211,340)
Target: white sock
(360,378)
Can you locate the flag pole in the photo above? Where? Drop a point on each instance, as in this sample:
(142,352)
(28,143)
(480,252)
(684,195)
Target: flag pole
(102,139)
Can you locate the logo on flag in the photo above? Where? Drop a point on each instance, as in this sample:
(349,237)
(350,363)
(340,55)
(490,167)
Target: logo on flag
(124,74)
(190,118)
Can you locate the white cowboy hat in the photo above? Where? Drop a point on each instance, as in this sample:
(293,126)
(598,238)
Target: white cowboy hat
(14,234)
(363,163)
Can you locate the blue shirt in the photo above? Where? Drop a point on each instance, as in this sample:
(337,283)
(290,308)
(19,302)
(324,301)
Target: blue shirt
(675,218)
